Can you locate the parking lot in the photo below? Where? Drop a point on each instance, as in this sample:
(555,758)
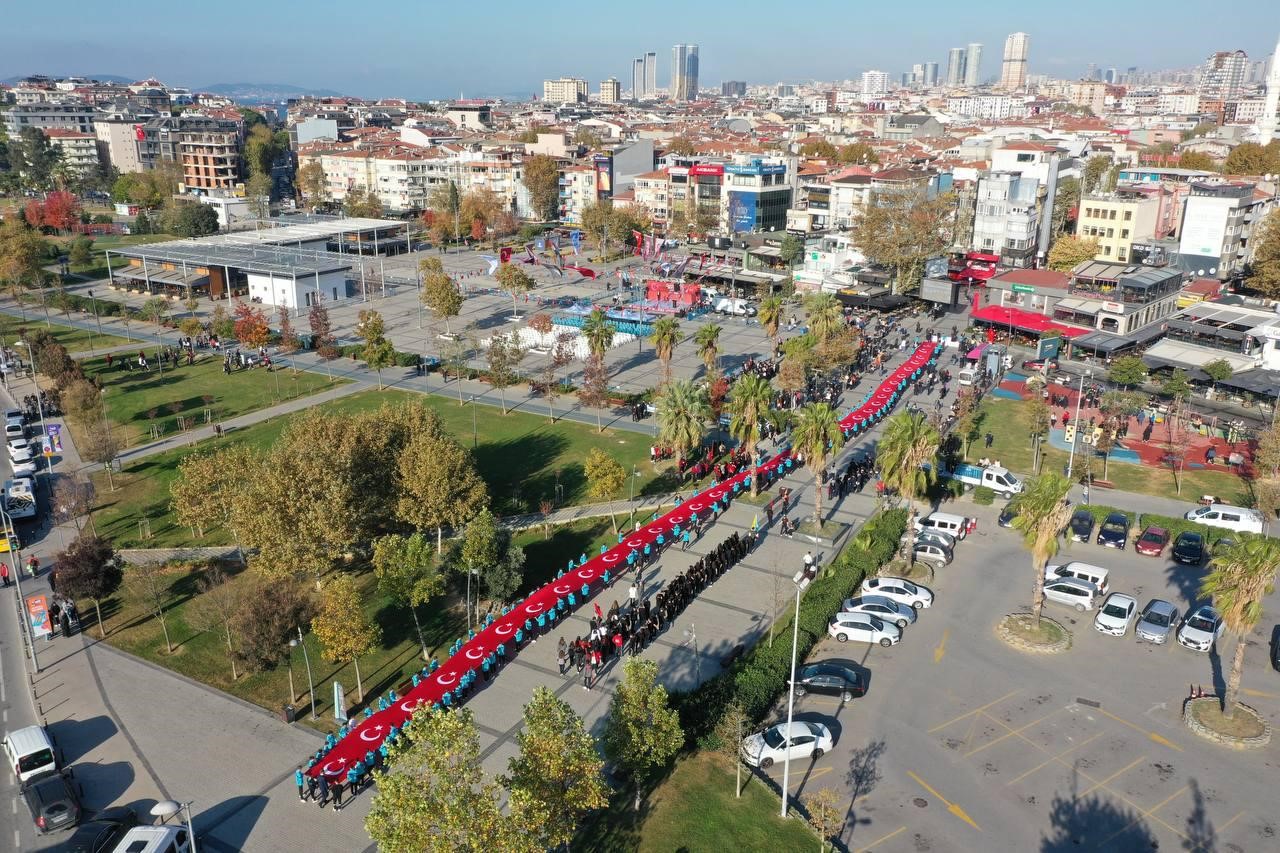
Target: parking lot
(964,743)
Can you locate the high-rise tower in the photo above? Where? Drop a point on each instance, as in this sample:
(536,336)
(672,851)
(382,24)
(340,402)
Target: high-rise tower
(1013,71)
(1267,123)
(973,64)
(955,66)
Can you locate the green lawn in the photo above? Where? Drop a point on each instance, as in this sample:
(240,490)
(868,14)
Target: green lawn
(97,266)
(1007,421)
(694,809)
(521,456)
(75,340)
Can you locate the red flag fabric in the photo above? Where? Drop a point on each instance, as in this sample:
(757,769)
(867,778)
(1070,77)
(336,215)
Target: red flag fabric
(504,254)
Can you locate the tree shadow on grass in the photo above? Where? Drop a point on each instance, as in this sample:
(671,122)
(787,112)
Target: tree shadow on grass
(544,557)
(518,463)
(1095,823)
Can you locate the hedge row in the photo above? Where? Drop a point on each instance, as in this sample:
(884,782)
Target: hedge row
(760,676)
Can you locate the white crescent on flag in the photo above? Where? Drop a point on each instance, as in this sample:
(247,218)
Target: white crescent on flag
(493,263)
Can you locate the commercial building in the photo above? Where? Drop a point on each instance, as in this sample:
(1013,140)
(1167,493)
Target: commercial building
(1013,70)
(684,72)
(1218,220)
(1007,217)
(566,90)
(638,92)
(733,89)
(470,115)
(610,91)
(79,150)
(757,195)
(650,74)
(1223,75)
(973,64)
(955,66)
(1246,338)
(931,74)
(49,115)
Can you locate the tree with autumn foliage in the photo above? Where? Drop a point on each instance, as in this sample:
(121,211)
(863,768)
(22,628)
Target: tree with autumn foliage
(251,326)
(61,211)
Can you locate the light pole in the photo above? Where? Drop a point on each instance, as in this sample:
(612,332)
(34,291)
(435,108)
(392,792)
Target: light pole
(311,685)
(1071,457)
(166,809)
(474,436)
(15,565)
(802,580)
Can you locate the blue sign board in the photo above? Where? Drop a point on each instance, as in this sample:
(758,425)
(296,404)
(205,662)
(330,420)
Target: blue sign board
(756,167)
(742,211)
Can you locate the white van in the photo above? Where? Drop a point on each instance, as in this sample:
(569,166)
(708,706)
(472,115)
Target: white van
(1236,518)
(1072,592)
(737,307)
(1095,575)
(955,526)
(155,839)
(967,376)
(30,752)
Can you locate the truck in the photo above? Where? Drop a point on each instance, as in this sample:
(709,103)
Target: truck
(1000,480)
(20,498)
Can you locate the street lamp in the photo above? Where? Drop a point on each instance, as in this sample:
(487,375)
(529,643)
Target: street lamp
(474,436)
(166,809)
(802,579)
(94,302)
(311,685)
(15,564)
(1071,457)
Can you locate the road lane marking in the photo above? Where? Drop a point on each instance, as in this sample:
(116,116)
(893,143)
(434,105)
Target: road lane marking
(1123,770)
(882,839)
(974,712)
(1158,738)
(951,807)
(1150,813)
(942,646)
(1010,733)
(1054,758)
(1262,694)
(1158,806)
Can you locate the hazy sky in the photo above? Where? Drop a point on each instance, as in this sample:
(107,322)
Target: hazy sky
(438,49)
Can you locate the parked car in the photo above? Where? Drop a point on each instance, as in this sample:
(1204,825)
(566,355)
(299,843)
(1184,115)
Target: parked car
(1201,630)
(53,800)
(1007,515)
(803,740)
(20,451)
(102,833)
(936,537)
(1114,532)
(1080,528)
(898,589)
(1152,541)
(155,839)
(939,555)
(1039,364)
(830,679)
(887,609)
(1188,549)
(1072,592)
(1116,614)
(14,428)
(1275,648)
(1221,546)
(1159,618)
(863,628)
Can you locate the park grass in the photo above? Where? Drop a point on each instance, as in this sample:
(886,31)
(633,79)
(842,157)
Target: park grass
(694,809)
(520,456)
(97,266)
(1009,424)
(75,340)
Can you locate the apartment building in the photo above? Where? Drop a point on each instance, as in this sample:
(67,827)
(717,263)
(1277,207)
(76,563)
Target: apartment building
(610,91)
(652,193)
(578,191)
(1118,220)
(208,149)
(566,90)
(1006,217)
(49,115)
(79,150)
(117,132)
(1218,222)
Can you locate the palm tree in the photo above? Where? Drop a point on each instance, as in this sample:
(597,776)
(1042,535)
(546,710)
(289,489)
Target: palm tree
(665,336)
(771,317)
(683,412)
(599,333)
(749,400)
(817,435)
(1238,581)
(909,441)
(826,315)
(708,343)
(1043,511)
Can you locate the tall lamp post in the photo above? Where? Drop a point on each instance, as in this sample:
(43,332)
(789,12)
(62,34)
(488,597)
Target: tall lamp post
(802,579)
(1071,457)
(311,685)
(96,317)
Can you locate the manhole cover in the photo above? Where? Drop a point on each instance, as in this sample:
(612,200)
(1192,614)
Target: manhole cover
(920,802)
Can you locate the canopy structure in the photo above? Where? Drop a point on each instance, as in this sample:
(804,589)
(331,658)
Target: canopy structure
(1027,321)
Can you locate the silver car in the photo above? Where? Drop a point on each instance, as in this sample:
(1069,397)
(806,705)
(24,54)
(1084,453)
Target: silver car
(1158,620)
(937,537)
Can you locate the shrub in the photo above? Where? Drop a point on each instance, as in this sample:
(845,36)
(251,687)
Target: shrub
(984,496)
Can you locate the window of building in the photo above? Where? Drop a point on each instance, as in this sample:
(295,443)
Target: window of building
(1128,216)
(1112,214)
(1124,233)
(1106,250)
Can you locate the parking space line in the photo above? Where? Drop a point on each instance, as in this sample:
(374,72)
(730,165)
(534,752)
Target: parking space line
(1261,694)
(951,807)
(1158,738)
(1222,828)
(882,839)
(1010,733)
(1123,770)
(972,713)
(1054,758)
(941,648)
(1150,813)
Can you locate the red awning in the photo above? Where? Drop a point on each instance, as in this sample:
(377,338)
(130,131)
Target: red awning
(1028,321)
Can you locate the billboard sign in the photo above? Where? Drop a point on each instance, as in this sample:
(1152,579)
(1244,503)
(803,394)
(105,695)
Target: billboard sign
(938,289)
(38,613)
(742,211)
(604,175)
(707,169)
(757,168)
(1203,226)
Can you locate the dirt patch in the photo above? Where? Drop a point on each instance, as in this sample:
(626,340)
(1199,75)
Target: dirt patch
(1240,725)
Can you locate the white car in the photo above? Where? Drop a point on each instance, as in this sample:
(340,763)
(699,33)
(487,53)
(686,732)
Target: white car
(886,609)
(24,469)
(807,740)
(1072,592)
(1201,630)
(14,428)
(1116,615)
(863,628)
(900,590)
(20,451)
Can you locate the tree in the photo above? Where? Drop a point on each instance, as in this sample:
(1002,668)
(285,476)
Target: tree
(378,351)
(441,294)
(770,315)
(1068,252)
(730,729)
(599,333)
(1264,269)
(859,153)
(191,219)
(1196,160)
(147,582)
(445,205)
(819,148)
(362,204)
(902,229)
(707,340)
(605,477)
(209,484)
(98,445)
(221,323)
(665,336)
(61,211)
(825,813)
(258,192)
(251,327)
(826,315)
(1238,581)
(503,356)
(289,340)
(407,573)
(34,157)
(71,499)
(260,150)
(155,310)
(342,626)
(481,209)
(556,778)
(89,568)
(487,552)
(597,221)
(790,249)
(1039,419)
(1128,371)
(1094,168)
(542,180)
(321,330)
(439,485)
(594,390)
(1218,370)
(81,252)
(1065,200)
(817,436)
(908,442)
(642,733)
(23,253)
(312,182)
(215,609)
(1042,513)
(516,282)
(750,399)
(683,412)
(561,356)
(1176,385)
(268,619)
(681,145)
(1250,158)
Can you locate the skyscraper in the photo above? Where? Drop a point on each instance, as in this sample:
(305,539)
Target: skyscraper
(691,74)
(973,64)
(637,80)
(1222,74)
(955,66)
(684,72)
(650,73)
(1013,71)
(931,73)
(1267,124)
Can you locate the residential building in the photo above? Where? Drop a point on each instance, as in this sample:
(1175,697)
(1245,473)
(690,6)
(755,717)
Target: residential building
(1089,93)
(1006,217)
(610,91)
(973,64)
(1223,74)
(1218,220)
(470,115)
(578,191)
(875,84)
(1119,220)
(1013,70)
(955,66)
(850,194)
(117,132)
(987,106)
(651,192)
(1033,159)
(208,149)
(79,150)
(566,90)
(49,115)
(733,89)
(1269,119)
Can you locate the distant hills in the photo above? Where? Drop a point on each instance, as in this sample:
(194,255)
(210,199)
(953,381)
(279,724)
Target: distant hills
(258,92)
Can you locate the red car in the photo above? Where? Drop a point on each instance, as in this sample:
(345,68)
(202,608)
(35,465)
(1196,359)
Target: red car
(1152,541)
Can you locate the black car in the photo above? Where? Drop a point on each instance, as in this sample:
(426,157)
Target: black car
(54,801)
(1007,515)
(830,679)
(1275,648)
(1188,549)
(102,833)
(1080,528)
(1114,532)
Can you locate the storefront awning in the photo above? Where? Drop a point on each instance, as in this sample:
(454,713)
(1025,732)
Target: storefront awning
(1079,306)
(1027,321)
(1177,354)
